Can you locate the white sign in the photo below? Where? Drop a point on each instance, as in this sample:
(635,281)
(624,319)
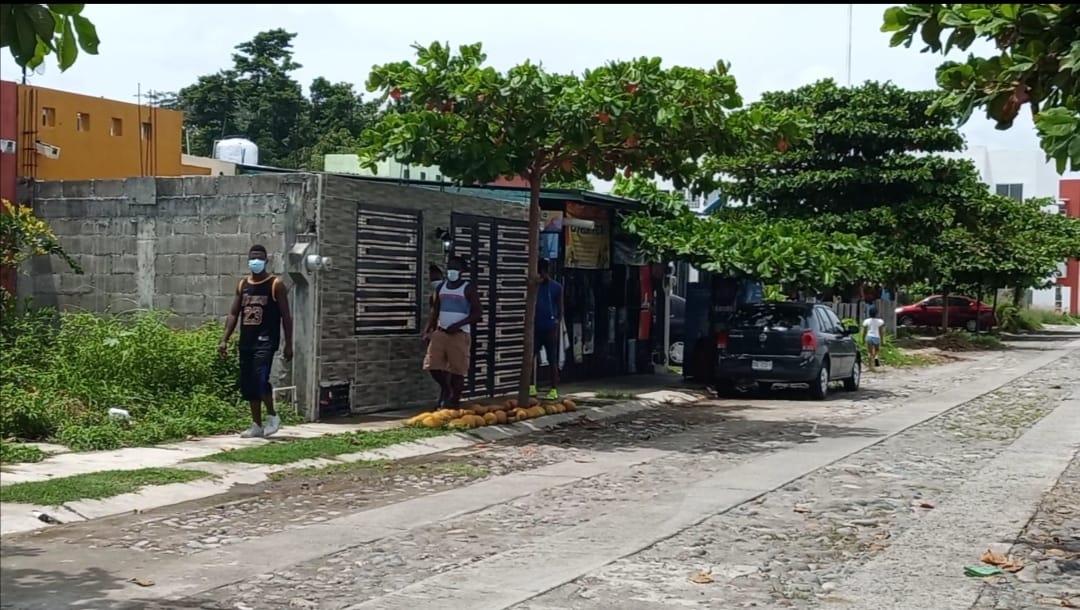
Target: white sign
(7,147)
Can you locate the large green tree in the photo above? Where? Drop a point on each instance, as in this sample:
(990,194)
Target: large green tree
(32,32)
(477,123)
(867,173)
(259,98)
(1036,63)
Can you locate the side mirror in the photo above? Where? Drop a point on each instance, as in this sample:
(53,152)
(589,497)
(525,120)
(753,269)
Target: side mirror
(851,330)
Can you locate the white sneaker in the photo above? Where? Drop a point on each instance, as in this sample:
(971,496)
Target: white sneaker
(273,424)
(255,431)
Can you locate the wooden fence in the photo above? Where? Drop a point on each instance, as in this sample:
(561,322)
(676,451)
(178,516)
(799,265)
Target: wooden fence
(858,312)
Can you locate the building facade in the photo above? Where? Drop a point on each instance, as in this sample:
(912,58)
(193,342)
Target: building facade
(350,164)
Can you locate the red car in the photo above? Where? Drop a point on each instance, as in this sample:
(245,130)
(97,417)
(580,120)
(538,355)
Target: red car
(964,312)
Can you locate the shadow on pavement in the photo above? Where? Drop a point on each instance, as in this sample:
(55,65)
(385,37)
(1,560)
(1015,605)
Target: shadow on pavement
(27,589)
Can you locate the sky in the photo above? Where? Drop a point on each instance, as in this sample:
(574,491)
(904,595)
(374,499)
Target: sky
(771,46)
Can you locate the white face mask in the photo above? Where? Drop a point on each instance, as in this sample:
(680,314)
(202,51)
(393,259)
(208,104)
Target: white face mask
(453,275)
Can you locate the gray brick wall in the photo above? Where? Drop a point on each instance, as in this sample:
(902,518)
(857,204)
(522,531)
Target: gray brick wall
(176,244)
(385,372)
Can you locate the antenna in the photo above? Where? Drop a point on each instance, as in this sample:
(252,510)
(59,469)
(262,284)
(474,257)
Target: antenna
(850,29)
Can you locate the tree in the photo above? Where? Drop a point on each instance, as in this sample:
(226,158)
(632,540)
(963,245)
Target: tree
(477,124)
(1037,64)
(33,31)
(338,115)
(867,173)
(24,235)
(745,242)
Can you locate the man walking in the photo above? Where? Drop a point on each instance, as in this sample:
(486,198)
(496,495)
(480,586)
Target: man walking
(454,310)
(261,306)
(547,328)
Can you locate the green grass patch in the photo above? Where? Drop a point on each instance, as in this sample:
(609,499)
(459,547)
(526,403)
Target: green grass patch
(614,395)
(61,373)
(891,354)
(16,453)
(963,341)
(285,451)
(363,466)
(95,485)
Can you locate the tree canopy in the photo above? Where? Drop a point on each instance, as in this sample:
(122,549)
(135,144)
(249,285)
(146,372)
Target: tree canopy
(477,124)
(257,97)
(32,32)
(1037,63)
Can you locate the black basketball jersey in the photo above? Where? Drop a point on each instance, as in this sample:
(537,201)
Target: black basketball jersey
(260,316)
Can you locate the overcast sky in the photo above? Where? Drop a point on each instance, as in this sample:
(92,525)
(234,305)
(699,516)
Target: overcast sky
(778,46)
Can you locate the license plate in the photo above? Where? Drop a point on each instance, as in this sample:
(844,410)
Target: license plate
(761,365)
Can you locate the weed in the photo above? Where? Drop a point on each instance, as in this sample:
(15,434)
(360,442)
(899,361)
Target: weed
(462,470)
(284,452)
(94,486)
(13,453)
(614,395)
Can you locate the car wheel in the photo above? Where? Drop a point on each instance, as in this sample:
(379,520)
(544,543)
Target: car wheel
(971,326)
(675,353)
(852,383)
(819,388)
(907,321)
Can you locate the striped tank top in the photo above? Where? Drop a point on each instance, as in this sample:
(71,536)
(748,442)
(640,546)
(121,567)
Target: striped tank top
(453,306)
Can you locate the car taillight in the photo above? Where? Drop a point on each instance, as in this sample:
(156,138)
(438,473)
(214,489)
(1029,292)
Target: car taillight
(809,342)
(721,340)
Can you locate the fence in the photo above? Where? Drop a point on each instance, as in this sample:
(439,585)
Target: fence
(858,312)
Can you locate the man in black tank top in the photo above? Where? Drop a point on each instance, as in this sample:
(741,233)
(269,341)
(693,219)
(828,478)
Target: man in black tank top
(261,307)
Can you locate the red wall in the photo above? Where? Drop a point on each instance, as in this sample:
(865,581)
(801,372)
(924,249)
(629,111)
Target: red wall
(1069,190)
(9,163)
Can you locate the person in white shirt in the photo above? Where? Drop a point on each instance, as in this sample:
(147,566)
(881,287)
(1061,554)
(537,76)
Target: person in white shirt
(871,334)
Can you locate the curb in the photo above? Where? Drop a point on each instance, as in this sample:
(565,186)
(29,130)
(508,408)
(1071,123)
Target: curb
(20,518)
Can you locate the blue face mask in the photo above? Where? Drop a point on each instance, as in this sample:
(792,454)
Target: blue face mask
(257,265)
(453,275)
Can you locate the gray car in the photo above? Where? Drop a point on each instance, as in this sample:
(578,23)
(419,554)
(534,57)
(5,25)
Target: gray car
(787,343)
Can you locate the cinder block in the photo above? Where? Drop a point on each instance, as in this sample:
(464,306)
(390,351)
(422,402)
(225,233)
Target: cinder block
(162,301)
(124,263)
(200,186)
(74,284)
(223,225)
(271,183)
(108,189)
(52,189)
(170,187)
(222,264)
(117,283)
(187,304)
(107,245)
(77,189)
(141,190)
(189,264)
(178,206)
(190,225)
(236,185)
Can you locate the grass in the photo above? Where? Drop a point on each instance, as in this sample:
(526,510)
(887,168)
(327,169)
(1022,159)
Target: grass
(285,452)
(15,453)
(614,395)
(963,341)
(892,355)
(463,470)
(1045,316)
(95,485)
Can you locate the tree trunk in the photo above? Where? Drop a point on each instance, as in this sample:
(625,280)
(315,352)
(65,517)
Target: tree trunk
(1018,295)
(978,310)
(945,311)
(530,292)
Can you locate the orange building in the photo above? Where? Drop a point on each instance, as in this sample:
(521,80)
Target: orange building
(67,136)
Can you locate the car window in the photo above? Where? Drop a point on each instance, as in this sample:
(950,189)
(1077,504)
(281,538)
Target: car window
(831,316)
(959,302)
(678,306)
(771,317)
(934,302)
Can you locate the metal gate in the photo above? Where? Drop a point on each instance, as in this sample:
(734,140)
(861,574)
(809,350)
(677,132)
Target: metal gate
(496,255)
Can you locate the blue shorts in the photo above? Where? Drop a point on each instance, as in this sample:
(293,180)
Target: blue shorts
(873,340)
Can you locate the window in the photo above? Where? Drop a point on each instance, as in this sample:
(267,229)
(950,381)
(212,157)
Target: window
(834,320)
(116,127)
(438,178)
(405,173)
(147,132)
(1015,191)
(935,302)
(768,316)
(82,121)
(423,175)
(959,302)
(48,117)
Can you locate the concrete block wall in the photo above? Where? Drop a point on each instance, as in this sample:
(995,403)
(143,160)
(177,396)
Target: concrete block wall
(176,244)
(384,372)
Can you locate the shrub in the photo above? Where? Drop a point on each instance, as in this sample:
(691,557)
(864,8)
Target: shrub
(11,453)
(60,375)
(1013,319)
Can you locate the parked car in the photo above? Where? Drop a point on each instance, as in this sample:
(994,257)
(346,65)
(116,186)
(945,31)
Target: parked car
(964,312)
(677,330)
(787,343)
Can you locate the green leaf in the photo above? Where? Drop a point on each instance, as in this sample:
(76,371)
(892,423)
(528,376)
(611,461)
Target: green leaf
(67,10)
(68,50)
(43,20)
(88,37)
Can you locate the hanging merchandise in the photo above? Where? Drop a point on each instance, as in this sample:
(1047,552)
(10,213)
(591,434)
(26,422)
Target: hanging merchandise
(579,346)
(611,315)
(588,242)
(645,311)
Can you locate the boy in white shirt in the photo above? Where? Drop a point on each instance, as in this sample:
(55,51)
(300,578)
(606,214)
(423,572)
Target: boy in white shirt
(871,334)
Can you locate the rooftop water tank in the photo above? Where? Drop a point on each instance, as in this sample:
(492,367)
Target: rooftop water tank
(236,149)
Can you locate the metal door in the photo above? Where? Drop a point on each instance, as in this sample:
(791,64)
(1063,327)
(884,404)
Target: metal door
(496,254)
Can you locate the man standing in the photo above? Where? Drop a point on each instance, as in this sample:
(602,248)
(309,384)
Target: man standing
(454,310)
(547,328)
(261,306)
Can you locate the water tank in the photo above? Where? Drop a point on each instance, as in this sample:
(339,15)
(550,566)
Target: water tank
(236,149)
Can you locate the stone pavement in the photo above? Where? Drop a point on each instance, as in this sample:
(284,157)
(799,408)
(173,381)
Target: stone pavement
(783,503)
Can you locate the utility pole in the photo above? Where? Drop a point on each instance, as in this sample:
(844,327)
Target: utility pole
(850,30)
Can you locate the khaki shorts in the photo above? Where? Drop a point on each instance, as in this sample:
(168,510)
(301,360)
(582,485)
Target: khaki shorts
(450,353)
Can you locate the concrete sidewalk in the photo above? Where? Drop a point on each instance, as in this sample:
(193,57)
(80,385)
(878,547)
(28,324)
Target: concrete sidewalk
(16,518)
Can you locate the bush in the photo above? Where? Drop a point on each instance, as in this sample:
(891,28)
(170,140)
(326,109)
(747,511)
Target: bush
(1045,316)
(963,341)
(61,375)
(1013,319)
(889,354)
(11,453)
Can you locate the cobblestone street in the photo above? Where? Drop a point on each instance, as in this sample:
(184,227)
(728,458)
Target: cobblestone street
(770,501)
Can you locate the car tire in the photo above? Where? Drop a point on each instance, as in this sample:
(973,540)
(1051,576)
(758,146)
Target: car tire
(907,321)
(852,383)
(971,325)
(819,386)
(675,353)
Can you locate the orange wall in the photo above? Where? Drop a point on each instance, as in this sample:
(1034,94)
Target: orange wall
(110,144)
(1069,190)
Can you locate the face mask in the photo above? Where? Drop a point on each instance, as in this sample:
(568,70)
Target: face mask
(256,265)
(453,275)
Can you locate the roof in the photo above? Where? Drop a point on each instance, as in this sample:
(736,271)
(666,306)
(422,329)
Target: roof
(516,194)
